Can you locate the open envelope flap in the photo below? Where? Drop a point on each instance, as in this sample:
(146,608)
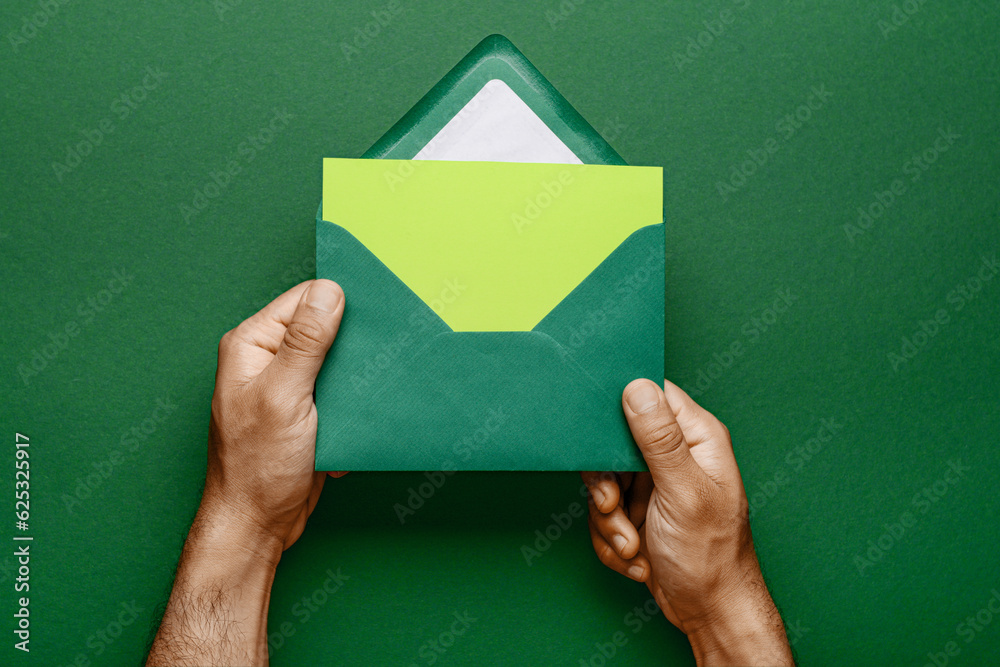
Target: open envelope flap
(494,58)
(410,394)
(612,323)
(384,322)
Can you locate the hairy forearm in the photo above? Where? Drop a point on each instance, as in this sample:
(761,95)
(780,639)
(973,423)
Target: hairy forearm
(217,612)
(750,632)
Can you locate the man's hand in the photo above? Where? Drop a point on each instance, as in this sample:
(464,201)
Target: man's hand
(683,529)
(262,438)
(260,486)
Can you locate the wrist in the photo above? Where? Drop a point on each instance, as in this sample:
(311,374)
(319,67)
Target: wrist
(226,534)
(746,629)
(217,612)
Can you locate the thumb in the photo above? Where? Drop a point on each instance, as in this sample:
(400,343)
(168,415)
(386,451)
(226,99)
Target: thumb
(655,429)
(308,336)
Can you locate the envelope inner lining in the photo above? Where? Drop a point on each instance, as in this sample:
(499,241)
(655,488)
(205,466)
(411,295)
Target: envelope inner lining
(497,126)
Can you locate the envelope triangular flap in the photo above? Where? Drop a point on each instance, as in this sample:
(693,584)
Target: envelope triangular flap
(602,325)
(493,58)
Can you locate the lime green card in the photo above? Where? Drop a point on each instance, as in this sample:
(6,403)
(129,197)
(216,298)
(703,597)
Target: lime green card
(514,238)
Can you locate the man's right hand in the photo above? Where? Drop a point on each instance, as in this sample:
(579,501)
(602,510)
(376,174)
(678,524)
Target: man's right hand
(683,529)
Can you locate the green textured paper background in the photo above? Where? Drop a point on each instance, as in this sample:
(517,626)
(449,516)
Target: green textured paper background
(824,357)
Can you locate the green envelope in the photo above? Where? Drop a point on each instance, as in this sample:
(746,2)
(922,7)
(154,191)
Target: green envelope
(436,371)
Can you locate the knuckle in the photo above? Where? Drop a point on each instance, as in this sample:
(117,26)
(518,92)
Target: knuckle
(698,504)
(304,337)
(665,436)
(607,555)
(722,428)
(226,342)
(269,405)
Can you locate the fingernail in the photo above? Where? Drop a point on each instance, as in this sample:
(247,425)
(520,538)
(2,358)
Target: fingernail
(323,296)
(643,398)
(637,572)
(620,542)
(598,496)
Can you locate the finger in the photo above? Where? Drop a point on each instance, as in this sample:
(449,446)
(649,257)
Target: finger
(708,439)
(635,568)
(603,488)
(659,436)
(617,530)
(698,424)
(246,350)
(266,327)
(642,489)
(308,336)
(337,473)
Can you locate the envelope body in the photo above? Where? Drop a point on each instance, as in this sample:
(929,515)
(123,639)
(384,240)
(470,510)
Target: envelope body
(494,313)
